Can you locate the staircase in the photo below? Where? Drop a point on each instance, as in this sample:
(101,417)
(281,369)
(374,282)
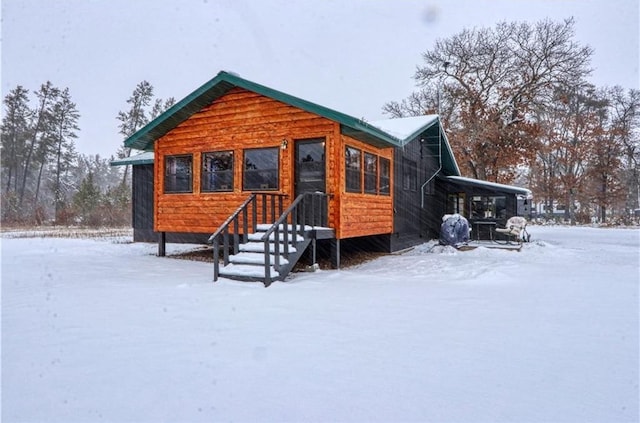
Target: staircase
(267,251)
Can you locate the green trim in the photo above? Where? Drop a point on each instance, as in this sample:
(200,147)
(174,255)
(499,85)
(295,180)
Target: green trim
(223,82)
(139,159)
(449,164)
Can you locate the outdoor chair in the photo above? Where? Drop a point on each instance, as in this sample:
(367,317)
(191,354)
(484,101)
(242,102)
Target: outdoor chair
(516,229)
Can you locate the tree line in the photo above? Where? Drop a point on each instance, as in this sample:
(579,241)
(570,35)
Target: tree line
(44,179)
(518,107)
(515,100)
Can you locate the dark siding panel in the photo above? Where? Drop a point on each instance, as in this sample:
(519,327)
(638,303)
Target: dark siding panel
(414,224)
(142,197)
(142,203)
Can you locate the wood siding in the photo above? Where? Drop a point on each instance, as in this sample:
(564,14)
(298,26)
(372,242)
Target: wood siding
(362,214)
(240,120)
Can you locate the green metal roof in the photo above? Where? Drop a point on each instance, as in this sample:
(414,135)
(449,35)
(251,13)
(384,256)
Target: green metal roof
(222,83)
(428,130)
(138,159)
(370,133)
(493,186)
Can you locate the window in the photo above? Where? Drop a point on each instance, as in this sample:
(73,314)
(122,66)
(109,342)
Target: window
(455,203)
(177,174)
(261,169)
(488,207)
(385,176)
(370,173)
(217,171)
(352,161)
(409,175)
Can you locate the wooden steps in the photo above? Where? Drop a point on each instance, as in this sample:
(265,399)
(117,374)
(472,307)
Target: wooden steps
(248,264)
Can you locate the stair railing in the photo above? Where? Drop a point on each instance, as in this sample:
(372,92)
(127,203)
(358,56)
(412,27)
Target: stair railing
(302,212)
(252,211)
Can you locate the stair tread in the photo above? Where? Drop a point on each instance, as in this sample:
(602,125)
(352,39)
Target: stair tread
(254,258)
(258,247)
(246,270)
(263,227)
(258,237)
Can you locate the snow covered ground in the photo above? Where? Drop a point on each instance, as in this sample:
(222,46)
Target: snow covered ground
(101,331)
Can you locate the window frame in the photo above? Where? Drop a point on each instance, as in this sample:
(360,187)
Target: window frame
(384,189)
(409,175)
(350,171)
(277,169)
(487,206)
(370,176)
(170,180)
(206,187)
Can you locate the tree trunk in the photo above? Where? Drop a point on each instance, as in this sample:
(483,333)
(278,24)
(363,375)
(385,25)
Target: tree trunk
(35,200)
(572,211)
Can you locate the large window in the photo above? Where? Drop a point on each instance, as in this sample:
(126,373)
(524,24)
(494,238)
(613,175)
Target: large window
(353,166)
(455,203)
(260,169)
(385,178)
(488,207)
(370,173)
(217,171)
(177,174)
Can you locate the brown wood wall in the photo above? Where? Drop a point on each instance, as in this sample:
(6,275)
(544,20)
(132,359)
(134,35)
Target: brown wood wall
(364,214)
(243,119)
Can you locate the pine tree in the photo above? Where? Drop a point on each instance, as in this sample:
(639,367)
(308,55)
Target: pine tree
(47,95)
(139,115)
(13,139)
(65,124)
(87,201)
(134,118)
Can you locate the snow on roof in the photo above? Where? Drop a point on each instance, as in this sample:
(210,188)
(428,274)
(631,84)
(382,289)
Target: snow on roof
(404,128)
(142,158)
(491,185)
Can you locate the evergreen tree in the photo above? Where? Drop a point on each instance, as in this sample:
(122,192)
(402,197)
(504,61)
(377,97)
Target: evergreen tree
(139,115)
(15,131)
(65,124)
(134,118)
(47,95)
(87,202)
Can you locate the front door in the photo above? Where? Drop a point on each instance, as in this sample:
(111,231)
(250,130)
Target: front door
(310,166)
(310,176)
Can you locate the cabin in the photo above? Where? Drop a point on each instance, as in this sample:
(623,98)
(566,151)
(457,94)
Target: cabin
(265,176)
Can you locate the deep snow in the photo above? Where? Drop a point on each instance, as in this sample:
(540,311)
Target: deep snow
(94,330)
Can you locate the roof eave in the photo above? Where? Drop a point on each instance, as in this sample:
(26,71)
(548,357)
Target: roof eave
(222,83)
(144,138)
(490,185)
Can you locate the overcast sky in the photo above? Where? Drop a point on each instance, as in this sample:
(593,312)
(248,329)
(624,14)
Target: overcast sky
(350,55)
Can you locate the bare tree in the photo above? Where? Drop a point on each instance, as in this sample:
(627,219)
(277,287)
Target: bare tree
(492,82)
(625,118)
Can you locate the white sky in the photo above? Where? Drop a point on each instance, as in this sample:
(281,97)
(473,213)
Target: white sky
(349,55)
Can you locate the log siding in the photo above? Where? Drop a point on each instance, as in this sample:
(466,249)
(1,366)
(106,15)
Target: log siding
(242,120)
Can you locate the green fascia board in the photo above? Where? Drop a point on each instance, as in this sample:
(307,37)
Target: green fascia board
(139,159)
(225,81)
(449,164)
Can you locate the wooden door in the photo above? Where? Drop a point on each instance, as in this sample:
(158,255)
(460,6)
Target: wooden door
(310,176)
